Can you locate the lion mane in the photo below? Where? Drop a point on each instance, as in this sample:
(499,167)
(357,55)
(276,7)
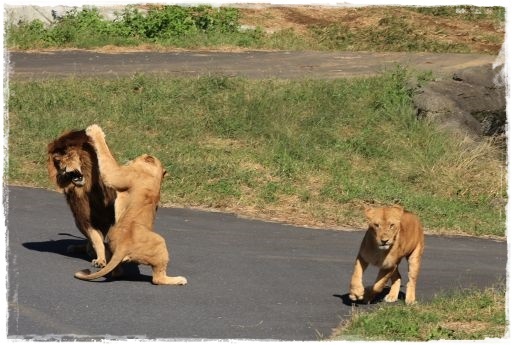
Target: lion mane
(73,168)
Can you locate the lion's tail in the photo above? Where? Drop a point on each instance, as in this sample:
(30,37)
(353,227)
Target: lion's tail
(116,259)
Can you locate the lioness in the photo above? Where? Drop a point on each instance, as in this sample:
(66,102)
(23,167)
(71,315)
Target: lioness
(132,238)
(392,235)
(73,167)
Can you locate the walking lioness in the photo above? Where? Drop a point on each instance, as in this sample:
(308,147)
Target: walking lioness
(138,192)
(392,235)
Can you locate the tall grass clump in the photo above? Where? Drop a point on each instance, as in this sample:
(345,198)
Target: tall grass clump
(86,28)
(306,151)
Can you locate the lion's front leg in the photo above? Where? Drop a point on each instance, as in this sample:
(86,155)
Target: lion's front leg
(356,284)
(98,245)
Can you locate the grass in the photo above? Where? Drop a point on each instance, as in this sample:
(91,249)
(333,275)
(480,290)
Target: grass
(206,27)
(307,152)
(469,314)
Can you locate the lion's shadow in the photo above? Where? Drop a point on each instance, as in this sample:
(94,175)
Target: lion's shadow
(131,271)
(378,299)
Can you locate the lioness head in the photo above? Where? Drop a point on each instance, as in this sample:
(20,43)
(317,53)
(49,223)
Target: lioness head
(384,223)
(152,165)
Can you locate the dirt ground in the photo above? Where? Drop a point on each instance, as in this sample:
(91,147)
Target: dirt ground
(482,35)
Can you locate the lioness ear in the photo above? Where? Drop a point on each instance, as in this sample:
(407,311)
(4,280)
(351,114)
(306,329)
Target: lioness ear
(369,212)
(398,210)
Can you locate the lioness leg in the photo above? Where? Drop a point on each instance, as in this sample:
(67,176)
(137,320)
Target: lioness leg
(356,283)
(151,250)
(113,174)
(396,280)
(159,265)
(380,283)
(160,277)
(414,270)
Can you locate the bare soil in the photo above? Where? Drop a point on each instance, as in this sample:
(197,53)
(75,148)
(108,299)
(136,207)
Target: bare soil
(481,36)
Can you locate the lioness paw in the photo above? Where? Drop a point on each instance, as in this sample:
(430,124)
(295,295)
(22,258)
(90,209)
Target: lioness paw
(170,280)
(355,298)
(181,281)
(409,301)
(94,130)
(390,299)
(357,293)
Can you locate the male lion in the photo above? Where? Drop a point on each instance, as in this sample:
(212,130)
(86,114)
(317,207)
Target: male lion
(73,167)
(132,238)
(392,235)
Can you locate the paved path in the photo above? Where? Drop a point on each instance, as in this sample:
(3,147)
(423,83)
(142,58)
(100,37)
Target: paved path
(252,64)
(247,279)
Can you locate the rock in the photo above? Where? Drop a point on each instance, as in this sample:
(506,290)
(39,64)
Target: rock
(472,102)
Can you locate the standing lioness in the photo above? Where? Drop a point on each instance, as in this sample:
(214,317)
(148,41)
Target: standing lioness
(392,235)
(132,238)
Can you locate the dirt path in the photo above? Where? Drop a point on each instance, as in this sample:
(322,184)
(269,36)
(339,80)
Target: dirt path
(251,64)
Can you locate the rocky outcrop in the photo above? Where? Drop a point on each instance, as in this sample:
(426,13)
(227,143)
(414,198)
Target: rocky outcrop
(472,102)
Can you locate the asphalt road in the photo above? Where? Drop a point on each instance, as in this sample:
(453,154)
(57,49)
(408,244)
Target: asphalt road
(251,64)
(247,279)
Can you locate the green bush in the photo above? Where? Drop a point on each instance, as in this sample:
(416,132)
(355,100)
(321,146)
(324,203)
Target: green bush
(87,27)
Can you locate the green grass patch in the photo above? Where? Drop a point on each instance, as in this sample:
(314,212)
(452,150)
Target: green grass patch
(469,314)
(308,151)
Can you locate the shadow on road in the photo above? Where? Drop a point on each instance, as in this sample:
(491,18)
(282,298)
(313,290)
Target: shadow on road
(130,271)
(58,247)
(378,299)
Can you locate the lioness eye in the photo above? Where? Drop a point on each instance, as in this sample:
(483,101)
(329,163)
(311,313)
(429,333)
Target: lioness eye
(376,225)
(392,226)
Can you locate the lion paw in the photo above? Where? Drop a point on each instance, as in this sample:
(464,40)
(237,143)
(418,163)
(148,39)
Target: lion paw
(99,263)
(94,131)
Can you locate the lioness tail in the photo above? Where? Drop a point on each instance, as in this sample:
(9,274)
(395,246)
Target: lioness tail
(116,259)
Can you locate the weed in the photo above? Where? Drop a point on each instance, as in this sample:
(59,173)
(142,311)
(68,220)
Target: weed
(464,314)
